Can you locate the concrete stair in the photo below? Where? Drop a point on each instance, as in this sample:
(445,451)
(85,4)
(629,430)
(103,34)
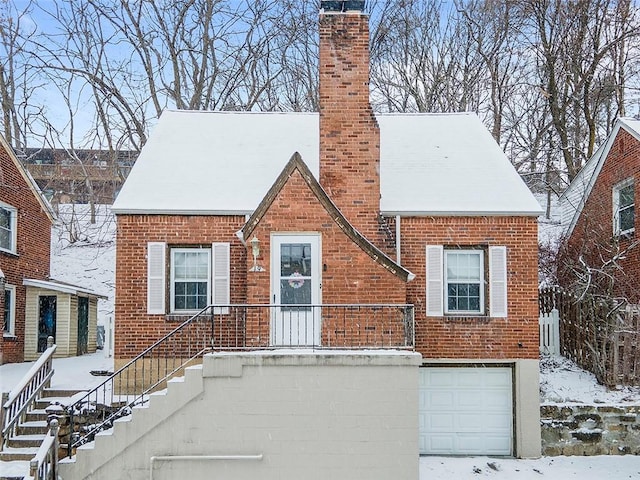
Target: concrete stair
(22,447)
(109,444)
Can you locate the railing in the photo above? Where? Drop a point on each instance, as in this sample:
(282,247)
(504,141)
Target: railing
(131,384)
(22,397)
(44,466)
(327,326)
(236,327)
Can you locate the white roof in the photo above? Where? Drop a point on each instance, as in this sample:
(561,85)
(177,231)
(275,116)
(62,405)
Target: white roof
(198,162)
(63,287)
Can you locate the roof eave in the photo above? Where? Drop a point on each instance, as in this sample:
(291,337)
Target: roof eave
(479,213)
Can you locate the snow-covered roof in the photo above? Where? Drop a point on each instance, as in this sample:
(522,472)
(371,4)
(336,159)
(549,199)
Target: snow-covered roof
(63,287)
(574,197)
(224,163)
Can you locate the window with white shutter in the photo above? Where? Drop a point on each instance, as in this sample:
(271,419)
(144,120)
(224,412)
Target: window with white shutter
(156,271)
(456,285)
(434,281)
(221,284)
(498,281)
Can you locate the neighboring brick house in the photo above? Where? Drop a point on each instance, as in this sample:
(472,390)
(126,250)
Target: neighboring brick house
(598,212)
(35,306)
(345,207)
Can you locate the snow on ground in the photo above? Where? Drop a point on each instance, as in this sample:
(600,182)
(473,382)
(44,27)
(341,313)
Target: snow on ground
(84,254)
(562,381)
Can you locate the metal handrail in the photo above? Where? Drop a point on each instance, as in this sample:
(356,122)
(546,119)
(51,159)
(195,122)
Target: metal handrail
(130,385)
(213,328)
(23,396)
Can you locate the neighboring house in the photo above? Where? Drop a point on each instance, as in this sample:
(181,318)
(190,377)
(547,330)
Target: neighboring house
(598,211)
(34,305)
(327,219)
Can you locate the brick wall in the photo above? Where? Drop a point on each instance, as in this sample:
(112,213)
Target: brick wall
(349,275)
(134,328)
(476,337)
(33,250)
(349,134)
(593,236)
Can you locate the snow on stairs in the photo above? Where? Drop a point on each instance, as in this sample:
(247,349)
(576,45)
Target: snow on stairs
(22,447)
(108,444)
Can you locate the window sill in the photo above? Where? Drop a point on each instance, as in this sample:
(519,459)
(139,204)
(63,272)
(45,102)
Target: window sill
(9,252)
(9,336)
(626,235)
(466,318)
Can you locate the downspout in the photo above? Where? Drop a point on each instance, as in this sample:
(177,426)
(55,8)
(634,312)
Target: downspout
(169,458)
(398,240)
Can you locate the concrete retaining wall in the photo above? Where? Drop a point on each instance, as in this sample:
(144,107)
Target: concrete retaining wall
(270,415)
(590,430)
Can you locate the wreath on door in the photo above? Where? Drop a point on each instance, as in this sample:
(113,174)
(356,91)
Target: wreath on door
(295,281)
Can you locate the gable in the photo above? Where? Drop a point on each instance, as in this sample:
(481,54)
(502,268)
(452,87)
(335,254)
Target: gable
(575,197)
(296,166)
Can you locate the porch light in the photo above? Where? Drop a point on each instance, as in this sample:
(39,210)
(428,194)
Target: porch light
(255,250)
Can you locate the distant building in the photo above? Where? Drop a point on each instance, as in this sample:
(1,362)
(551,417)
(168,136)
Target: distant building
(80,175)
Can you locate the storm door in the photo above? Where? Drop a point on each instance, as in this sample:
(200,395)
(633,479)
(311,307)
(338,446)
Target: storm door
(46,320)
(83,325)
(295,316)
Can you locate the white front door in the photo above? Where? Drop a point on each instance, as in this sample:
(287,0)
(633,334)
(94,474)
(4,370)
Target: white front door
(295,317)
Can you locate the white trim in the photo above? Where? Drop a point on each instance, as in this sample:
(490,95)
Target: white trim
(481,284)
(13,211)
(61,287)
(12,311)
(151,211)
(461,213)
(156,277)
(498,281)
(172,278)
(434,280)
(615,192)
(221,273)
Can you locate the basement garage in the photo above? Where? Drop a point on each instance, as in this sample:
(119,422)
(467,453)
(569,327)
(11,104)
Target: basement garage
(466,410)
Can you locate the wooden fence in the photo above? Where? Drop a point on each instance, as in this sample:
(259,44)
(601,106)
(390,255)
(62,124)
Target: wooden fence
(602,336)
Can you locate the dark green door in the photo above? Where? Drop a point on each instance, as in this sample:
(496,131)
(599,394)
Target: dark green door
(47,320)
(83,325)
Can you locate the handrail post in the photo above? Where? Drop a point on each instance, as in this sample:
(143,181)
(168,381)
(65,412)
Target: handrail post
(3,416)
(54,426)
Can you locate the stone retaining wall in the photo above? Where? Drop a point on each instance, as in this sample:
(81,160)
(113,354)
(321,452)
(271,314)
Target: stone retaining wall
(590,430)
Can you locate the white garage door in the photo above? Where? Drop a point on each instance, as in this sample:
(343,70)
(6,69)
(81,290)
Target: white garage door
(466,411)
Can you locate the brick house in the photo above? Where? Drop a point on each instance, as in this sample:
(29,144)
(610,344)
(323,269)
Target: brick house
(598,212)
(34,305)
(328,219)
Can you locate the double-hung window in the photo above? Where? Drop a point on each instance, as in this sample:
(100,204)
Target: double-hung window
(623,207)
(456,281)
(189,277)
(8,216)
(8,327)
(464,281)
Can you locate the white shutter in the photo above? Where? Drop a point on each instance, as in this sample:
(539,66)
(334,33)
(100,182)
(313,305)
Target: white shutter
(221,278)
(156,271)
(434,281)
(498,281)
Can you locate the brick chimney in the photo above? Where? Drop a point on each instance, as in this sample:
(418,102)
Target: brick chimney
(349,133)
